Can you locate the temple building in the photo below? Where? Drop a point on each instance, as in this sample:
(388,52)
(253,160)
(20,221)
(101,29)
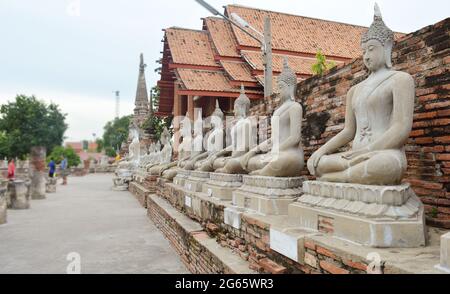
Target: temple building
(199,66)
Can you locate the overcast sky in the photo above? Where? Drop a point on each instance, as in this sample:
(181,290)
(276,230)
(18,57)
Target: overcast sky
(77,52)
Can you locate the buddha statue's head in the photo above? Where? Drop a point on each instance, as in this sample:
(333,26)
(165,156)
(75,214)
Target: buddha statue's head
(377,44)
(217,117)
(198,124)
(242,105)
(186,127)
(287,82)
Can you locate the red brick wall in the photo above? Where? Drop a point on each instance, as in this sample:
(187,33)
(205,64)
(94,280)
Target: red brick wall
(425,55)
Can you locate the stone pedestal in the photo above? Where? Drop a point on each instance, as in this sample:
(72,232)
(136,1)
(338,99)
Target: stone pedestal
(19,196)
(37,173)
(195,181)
(222,186)
(445,253)
(181,176)
(376,216)
(268,195)
(3,205)
(139,175)
(51,185)
(122,180)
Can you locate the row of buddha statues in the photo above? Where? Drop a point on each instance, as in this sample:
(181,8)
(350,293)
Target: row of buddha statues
(379,117)
(359,190)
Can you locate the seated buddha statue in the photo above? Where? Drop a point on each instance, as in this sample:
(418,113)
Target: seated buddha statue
(184,150)
(281,155)
(198,143)
(378,119)
(149,156)
(228,160)
(165,157)
(214,141)
(133,159)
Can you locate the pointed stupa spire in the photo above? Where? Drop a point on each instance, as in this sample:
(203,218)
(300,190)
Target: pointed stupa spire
(141,102)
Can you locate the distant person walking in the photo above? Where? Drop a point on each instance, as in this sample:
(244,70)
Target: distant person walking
(64,170)
(52,169)
(11,170)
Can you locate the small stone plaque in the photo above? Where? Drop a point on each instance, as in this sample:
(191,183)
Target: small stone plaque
(188,201)
(232,217)
(284,244)
(210,192)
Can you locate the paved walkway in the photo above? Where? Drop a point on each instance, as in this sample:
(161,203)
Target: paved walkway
(110,231)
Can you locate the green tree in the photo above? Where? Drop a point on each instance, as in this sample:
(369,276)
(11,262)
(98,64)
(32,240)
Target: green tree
(100,145)
(116,132)
(155,93)
(156,124)
(60,152)
(321,64)
(109,151)
(28,122)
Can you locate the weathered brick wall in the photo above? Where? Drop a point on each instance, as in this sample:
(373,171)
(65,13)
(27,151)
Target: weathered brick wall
(425,55)
(197,258)
(139,192)
(251,242)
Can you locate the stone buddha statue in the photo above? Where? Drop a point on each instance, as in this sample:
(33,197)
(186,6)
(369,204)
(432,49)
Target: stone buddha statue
(214,142)
(228,161)
(166,155)
(379,119)
(133,158)
(184,150)
(148,157)
(282,154)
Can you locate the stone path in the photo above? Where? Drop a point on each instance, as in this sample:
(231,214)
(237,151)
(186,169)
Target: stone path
(110,231)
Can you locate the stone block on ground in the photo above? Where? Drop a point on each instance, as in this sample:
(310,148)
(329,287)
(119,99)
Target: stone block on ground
(51,185)
(19,195)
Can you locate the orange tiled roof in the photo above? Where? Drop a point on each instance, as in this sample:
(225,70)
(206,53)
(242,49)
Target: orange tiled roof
(301,65)
(190,47)
(204,80)
(301,34)
(222,36)
(238,71)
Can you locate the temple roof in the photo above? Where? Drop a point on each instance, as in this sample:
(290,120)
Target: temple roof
(220,57)
(190,47)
